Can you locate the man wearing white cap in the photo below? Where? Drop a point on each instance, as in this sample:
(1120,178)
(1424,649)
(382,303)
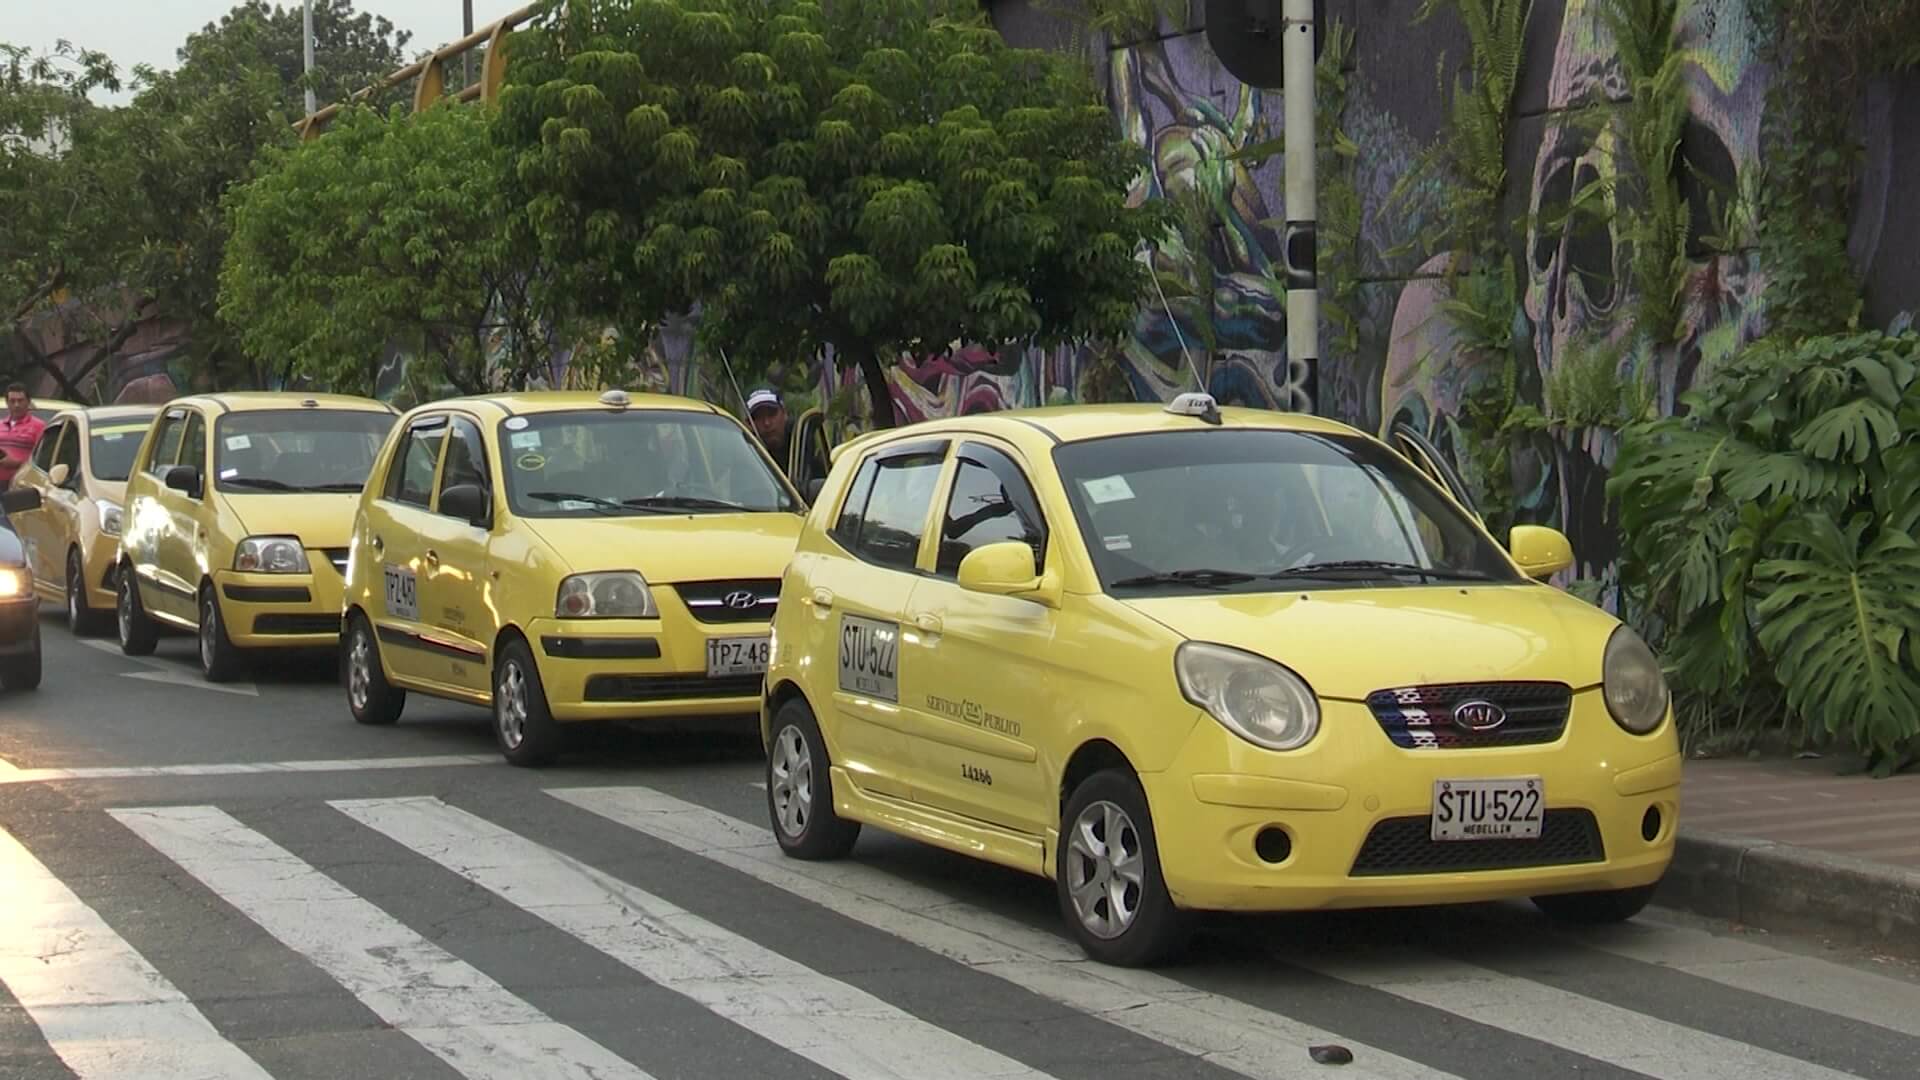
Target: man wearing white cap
(770,422)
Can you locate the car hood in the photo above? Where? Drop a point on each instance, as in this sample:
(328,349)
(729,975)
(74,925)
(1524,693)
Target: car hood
(319,519)
(1347,643)
(678,547)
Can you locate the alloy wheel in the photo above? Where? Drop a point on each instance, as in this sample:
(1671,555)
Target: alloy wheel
(511,706)
(1106,869)
(359,671)
(791,772)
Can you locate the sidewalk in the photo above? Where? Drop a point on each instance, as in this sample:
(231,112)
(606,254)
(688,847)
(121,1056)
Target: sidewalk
(1789,845)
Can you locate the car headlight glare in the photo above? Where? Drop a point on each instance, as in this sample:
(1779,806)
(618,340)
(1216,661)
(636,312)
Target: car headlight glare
(1255,698)
(13,583)
(619,594)
(271,555)
(110,516)
(1632,683)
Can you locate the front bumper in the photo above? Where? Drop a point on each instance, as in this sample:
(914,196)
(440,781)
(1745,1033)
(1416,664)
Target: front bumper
(282,611)
(19,625)
(1351,784)
(100,568)
(640,669)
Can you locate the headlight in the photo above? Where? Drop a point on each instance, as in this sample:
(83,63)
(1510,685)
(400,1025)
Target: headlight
(13,583)
(1632,683)
(1255,698)
(109,516)
(271,555)
(620,594)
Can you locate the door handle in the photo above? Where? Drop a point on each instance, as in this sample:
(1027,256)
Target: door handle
(378,544)
(822,597)
(927,623)
(433,557)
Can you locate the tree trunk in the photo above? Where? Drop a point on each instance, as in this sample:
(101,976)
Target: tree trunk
(879,390)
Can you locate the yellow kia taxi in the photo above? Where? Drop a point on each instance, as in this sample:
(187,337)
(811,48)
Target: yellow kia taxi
(80,469)
(1187,658)
(237,518)
(561,557)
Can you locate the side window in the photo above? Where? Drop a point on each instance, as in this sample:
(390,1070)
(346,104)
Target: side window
(166,444)
(193,448)
(991,503)
(410,480)
(854,510)
(43,451)
(895,517)
(466,458)
(69,453)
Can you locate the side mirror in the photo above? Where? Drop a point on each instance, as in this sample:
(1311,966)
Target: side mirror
(184,478)
(20,500)
(468,502)
(1006,569)
(1540,551)
(59,475)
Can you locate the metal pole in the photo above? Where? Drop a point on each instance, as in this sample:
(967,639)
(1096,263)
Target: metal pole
(466,30)
(306,20)
(1303,285)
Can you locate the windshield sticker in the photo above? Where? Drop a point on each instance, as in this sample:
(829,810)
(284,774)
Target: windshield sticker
(516,423)
(575,504)
(239,442)
(1117,543)
(113,436)
(529,463)
(228,474)
(1106,489)
(526,440)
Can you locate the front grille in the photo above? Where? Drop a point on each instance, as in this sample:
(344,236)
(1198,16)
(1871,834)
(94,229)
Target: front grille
(744,600)
(1421,717)
(670,687)
(338,557)
(1406,846)
(296,624)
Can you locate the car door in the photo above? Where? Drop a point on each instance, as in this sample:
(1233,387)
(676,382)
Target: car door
(36,527)
(807,453)
(1415,448)
(980,665)
(858,593)
(64,503)
(399,521)
(169,578)
(456,621)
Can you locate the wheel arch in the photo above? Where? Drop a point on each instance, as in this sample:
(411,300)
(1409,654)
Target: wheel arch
(1095,755)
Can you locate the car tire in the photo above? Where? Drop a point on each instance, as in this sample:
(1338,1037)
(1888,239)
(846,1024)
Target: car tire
(523,725)
(1137,924)
(800,788)
(220,661)
(138,634)
(370,697)
(1596,908)
(82,619)
(23,672)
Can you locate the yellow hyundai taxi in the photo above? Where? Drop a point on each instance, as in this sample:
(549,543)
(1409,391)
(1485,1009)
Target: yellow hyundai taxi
(561,557)
(80,469)
(236,522)
(1188,658)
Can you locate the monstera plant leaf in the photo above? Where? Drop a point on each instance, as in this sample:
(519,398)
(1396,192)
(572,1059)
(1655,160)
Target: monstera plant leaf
(1840,620)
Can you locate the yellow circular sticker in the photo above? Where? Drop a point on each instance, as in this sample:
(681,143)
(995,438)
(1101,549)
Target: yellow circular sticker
(529,463)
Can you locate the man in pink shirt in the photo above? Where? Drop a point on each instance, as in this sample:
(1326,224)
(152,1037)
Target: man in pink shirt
(18,432)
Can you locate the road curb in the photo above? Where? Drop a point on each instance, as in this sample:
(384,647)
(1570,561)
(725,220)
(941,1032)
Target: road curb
(1775,886)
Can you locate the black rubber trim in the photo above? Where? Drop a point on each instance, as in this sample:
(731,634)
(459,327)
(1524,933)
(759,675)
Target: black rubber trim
(169,589)
(268,594)
(579,648)
(391,636)
(1055,439)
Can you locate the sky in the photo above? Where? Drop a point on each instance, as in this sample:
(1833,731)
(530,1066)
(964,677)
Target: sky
(148,31)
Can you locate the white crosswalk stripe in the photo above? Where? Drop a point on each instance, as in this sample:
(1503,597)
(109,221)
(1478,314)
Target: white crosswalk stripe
(820,1018)
(100,1005)
(465,1018)
(1248,1040)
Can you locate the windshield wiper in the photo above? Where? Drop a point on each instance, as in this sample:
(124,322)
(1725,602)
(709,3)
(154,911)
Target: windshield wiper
(605,506)
(1385,566)
(685,502)
(1204,577)
(264,483)
(338,485)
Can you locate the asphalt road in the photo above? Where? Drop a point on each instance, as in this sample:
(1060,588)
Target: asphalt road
(241,882)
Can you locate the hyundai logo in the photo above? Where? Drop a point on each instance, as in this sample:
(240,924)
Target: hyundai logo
(1479,715)
(740,600)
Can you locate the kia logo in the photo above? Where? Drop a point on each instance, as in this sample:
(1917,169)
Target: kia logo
(740,600)
(1479,715)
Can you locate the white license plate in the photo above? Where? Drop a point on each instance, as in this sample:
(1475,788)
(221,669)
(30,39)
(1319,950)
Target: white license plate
(402,597)
(1505,809)
(737,656)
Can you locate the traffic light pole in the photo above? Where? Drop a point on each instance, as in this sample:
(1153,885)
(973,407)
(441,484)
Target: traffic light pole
(1303,285)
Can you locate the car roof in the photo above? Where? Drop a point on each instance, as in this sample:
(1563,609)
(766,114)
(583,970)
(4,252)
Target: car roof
(109,414)
(533,402)
(1078,423)
(259,400)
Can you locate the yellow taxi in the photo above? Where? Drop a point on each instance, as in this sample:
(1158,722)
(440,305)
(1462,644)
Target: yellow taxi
(561,557)
(1188,658)
(80,468)
(236,522)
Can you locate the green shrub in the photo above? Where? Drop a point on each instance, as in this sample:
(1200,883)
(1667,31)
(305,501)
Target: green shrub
(1769,539)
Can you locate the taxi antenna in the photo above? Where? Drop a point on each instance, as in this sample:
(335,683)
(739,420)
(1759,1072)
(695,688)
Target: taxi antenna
(730,378)
(1198,382)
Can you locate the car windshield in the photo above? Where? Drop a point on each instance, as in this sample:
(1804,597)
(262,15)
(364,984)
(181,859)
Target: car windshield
(641,461)
(1258,510)
(111,447)
(297,450)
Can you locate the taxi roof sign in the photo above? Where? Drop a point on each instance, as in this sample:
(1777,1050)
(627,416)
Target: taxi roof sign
(616,398)
(1194,403)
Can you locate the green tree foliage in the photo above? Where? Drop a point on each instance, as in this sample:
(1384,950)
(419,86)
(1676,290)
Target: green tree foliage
(881,177)
(387,230)
(352,50)
(1771,537)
